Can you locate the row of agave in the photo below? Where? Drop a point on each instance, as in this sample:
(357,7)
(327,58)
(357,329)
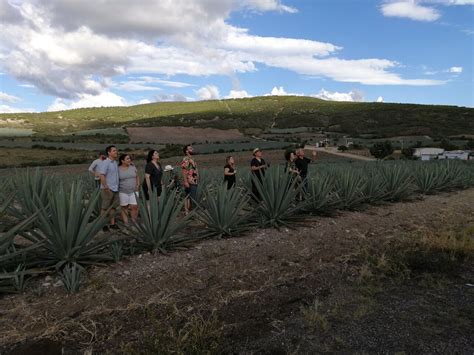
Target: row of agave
(52,225)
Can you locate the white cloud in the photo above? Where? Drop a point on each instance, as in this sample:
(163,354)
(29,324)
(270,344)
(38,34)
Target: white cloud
(456,70)
(410,9)
(28,86)
(237,94)
(414,10)
(70,49)
(104,99)
(208,92)
(352,96)
(278,91)
(266,5)
(144,101)
(380,99)
(4,97)
(9,109)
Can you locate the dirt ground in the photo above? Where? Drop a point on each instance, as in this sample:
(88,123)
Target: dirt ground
(181,135)
(268,292)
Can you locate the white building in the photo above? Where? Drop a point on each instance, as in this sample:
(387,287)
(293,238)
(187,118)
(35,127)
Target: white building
(428,153)
(456,154)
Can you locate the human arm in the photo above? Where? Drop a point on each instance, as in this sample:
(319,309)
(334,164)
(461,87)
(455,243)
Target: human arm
(137,183)
(228,173)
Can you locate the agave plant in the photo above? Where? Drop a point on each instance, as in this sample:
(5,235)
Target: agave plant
(71,277)
(456,176)
(161,222)
(349,185)
(430,178)
(374,189)
(398,182)
(31,192)
(319,198)
(66,231)
(278,198)
(224,211)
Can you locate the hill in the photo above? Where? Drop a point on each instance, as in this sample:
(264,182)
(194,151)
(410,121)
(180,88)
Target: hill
(254,115)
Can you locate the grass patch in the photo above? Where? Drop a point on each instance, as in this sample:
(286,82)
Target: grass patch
(313,316)
(180,333)
(427,256)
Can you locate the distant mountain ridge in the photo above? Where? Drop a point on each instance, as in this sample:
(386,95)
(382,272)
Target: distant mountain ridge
(258,114)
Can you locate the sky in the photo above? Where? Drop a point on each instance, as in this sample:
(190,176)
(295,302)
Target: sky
(65,54)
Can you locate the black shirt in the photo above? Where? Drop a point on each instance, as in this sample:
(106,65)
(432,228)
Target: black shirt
(230,179)
(302,166)
(258,173)
(155,173)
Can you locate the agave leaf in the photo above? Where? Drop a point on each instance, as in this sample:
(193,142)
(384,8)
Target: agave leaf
(160,222)
(319,198)
(224,211)
(348,187)
(279,193)
(66,231)
(398,182)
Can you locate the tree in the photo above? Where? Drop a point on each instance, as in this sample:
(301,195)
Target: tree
(381,150)
(447,145)
(470,144)
(342,148)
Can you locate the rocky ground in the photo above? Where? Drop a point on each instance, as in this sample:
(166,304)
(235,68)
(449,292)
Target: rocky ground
(391,279)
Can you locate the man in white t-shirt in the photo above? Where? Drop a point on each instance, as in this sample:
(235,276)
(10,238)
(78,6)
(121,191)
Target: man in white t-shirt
(94,168)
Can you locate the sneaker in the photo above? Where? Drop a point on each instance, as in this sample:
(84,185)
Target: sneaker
(114,226)
(105,229)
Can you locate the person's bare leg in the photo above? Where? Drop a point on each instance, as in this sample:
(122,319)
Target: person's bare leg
(134,212)
(112,216)
(124,214)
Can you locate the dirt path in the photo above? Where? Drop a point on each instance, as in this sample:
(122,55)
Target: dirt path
(257,285)
(334,151)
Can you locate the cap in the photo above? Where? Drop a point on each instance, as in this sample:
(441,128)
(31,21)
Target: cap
(255,150)
(168,168)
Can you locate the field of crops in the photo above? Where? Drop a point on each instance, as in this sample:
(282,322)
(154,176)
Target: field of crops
(50,224)
(262,113)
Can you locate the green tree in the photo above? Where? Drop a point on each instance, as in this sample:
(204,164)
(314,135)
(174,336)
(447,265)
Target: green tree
(381,150)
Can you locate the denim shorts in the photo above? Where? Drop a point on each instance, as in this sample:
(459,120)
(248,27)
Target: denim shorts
(191,191)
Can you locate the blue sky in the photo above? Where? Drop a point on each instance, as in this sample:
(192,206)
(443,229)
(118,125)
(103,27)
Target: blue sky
(62,54)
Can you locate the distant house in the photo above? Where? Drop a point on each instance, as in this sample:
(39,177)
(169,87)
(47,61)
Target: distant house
(428,153)
(456,154)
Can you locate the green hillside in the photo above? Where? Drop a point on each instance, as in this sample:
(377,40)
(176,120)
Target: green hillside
(379,119)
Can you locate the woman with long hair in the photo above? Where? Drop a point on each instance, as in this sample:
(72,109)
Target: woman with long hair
(153,174)
(229,172)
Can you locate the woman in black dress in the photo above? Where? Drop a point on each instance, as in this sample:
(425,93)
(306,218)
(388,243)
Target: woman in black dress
(229,172)
(153,174)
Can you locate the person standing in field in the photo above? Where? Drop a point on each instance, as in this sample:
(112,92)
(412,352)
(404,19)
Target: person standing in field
(190,178)
(153,175)
(257,167)
(229,172)
(301,164)
(129,184)
(109,185)
(94,168)
(171,178)
(290,165)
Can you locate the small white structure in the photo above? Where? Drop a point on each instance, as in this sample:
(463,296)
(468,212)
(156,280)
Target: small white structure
(456,154)
(426,154)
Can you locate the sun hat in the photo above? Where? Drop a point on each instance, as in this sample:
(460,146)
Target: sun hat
(255,151)
(168,168)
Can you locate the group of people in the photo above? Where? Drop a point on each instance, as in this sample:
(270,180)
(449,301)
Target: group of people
(119,182)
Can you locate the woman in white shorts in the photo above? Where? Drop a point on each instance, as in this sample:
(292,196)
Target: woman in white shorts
(129,184)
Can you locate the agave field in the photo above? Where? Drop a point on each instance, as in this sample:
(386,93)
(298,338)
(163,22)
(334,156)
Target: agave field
(51,225)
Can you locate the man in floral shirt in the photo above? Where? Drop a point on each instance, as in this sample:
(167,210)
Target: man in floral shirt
(190,177)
